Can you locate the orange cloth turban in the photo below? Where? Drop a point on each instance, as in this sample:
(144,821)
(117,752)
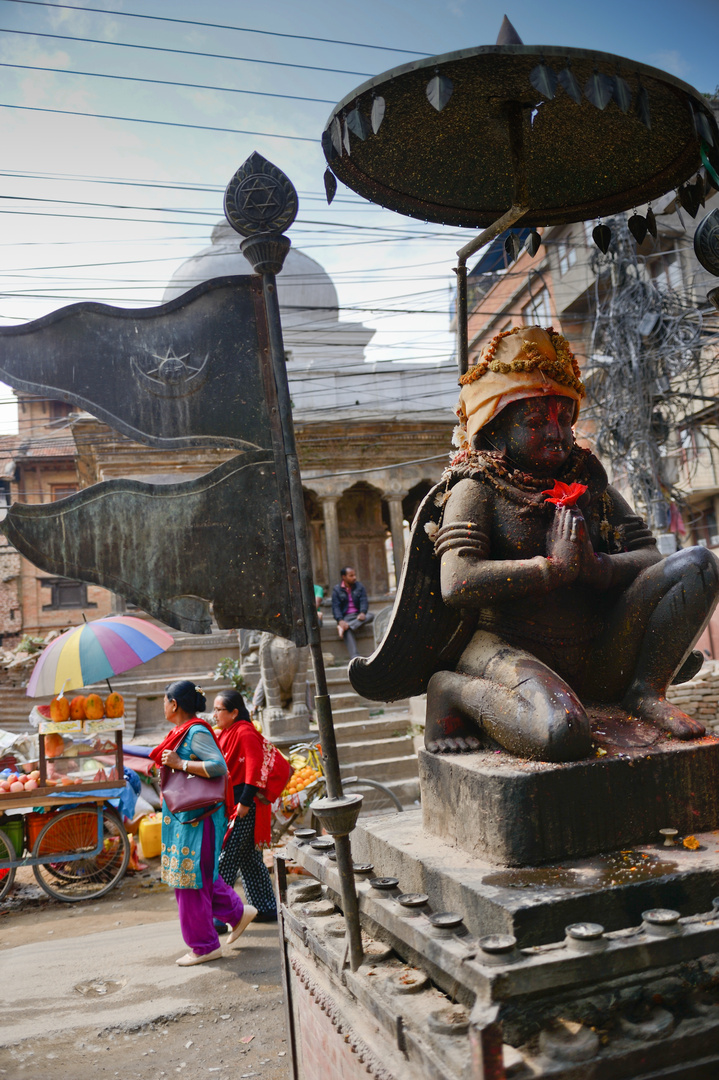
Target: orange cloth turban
(524,362)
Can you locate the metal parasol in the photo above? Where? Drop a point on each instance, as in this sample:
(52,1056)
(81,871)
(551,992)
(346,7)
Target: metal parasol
(489,136)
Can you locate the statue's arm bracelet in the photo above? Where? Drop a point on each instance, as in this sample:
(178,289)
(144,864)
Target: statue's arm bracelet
(464,537)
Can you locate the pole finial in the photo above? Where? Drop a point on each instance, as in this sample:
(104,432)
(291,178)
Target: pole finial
(507,34)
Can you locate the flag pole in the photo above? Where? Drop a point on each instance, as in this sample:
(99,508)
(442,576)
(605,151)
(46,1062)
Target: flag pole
(266,251)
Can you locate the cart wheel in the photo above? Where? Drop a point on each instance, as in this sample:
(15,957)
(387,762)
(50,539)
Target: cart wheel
(74,831)
(7,852)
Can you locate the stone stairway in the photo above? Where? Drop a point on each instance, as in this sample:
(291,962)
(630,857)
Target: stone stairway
(373,740)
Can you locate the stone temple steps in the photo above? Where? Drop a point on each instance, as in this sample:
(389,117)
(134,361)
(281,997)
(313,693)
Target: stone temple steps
(373,740)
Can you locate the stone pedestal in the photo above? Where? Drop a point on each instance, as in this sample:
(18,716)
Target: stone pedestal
(287,739)
(535,904)
(513,812)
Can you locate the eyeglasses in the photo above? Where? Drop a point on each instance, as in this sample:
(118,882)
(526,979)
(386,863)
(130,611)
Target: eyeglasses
(220,708)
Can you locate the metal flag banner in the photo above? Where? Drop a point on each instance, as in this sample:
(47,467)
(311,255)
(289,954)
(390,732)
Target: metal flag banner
(197,372)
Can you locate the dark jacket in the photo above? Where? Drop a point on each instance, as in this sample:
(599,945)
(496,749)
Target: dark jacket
(341,601)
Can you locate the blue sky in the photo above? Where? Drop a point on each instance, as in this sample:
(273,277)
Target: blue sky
(46,246)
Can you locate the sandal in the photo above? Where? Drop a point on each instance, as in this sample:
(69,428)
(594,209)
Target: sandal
(191,958)
(248,915)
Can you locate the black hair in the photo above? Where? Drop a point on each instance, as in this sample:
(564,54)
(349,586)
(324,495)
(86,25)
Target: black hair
(344,570)
(232,699)
(189,697)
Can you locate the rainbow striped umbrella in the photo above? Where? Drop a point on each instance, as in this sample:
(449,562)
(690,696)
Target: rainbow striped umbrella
(96,650)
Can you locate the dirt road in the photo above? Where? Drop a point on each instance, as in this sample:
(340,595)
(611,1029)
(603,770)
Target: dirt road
(92,990)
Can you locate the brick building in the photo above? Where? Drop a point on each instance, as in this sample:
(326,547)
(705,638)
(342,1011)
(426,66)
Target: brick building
(38,465)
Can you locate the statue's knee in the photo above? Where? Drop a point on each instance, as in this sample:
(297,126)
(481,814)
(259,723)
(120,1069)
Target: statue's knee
(698,562)
(560,724)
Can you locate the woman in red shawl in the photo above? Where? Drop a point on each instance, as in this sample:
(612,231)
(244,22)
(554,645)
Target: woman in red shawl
(259,774)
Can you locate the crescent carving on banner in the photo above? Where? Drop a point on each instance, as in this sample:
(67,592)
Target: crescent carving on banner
(172,377)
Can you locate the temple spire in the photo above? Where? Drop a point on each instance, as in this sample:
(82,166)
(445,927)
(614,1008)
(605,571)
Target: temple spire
(507,34)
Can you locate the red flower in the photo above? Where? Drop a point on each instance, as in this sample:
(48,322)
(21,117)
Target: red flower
(565,494)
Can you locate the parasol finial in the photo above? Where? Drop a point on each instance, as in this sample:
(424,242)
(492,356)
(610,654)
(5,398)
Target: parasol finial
(507,34)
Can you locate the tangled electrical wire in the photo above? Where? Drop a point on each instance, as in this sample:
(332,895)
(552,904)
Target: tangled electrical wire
(647,376)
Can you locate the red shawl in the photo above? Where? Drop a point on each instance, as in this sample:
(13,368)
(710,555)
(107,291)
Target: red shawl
(173,740)
(251,759)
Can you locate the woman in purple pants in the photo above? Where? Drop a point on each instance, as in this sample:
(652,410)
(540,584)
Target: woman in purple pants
(190,847)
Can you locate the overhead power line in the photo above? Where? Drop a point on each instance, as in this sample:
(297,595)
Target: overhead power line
(161,123)
(183,52)
(167,82)
(218,26)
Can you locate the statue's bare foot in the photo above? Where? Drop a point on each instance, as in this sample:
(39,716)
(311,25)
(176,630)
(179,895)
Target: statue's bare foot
(660,712)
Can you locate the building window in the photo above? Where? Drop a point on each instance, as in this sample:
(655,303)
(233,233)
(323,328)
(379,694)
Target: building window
(567,255)
(537,312)
(5,496)
(59,409)
(66,594)
(61,491)
(667,272)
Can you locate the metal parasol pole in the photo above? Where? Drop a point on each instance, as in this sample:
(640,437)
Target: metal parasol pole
(504,222)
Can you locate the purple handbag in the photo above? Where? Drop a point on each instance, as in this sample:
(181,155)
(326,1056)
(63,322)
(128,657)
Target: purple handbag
(183,791)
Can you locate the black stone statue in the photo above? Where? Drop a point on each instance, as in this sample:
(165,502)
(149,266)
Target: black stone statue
(530,588)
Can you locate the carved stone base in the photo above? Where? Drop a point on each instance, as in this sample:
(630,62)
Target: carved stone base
(283,728)
(535,904)
(514,812)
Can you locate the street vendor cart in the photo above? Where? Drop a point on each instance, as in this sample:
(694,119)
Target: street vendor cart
(66,830)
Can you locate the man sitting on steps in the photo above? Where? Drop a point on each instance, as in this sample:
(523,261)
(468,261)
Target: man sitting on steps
(350,608)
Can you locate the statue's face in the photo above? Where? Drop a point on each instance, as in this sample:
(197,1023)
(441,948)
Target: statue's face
(534,433)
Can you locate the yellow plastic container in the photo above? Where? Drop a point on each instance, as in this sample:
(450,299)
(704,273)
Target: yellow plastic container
(149,833)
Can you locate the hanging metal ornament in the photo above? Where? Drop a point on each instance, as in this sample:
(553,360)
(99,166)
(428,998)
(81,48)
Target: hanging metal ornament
(651,222)
(703,127)
(377,114)
(700,189)
(533,243)
(357,124)
(689,198)
(599,89)
(346,139)
(513,246)
(545,80)
(330,185)
(602,237)
(710,183)
(439,91)
(706,242)
(570,85)
(622,94)
(641,107)
(335,130)
(637,226)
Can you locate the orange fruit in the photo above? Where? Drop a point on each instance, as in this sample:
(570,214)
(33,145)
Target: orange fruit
(54,745)
(77,708)
(94,707)
(59,709)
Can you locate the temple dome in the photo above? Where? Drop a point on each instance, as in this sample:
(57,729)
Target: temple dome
(305,289)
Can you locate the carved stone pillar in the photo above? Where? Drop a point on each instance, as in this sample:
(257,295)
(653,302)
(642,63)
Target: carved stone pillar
(396,525)
(332,537)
